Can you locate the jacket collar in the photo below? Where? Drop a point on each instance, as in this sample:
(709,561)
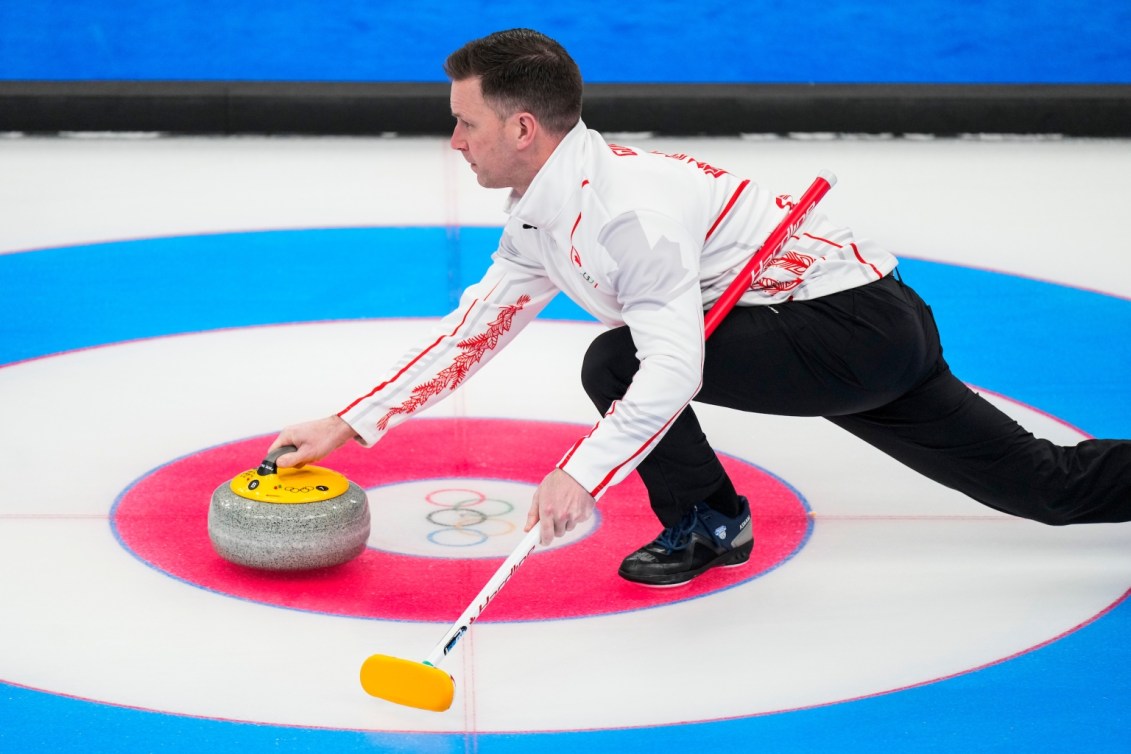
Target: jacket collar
(557,179)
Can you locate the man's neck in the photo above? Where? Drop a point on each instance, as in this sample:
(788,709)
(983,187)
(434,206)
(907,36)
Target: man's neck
(543,150)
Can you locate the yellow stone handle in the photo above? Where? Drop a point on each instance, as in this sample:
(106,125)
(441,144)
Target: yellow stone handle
(270,484)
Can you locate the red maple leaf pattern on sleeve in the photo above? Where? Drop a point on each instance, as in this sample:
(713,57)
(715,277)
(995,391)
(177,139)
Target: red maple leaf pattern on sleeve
(472,351)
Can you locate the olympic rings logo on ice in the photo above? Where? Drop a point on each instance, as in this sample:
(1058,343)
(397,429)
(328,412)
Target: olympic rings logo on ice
(455,517)
(466,517)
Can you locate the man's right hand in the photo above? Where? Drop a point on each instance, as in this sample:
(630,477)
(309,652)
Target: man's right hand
(314,440)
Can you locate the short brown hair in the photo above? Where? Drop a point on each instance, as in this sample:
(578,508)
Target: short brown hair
(522,70)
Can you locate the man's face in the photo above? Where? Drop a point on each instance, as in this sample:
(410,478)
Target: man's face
(481,136)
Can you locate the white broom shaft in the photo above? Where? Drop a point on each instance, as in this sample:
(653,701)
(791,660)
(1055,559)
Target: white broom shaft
(494,584)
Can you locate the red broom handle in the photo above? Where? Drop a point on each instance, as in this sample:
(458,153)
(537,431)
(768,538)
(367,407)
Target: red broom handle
(770,247)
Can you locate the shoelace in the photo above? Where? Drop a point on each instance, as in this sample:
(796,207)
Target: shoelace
(676,537)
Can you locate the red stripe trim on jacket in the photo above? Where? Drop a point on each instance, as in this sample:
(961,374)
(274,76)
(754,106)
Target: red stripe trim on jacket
(407,366)
(576,445)
(856,251)
(730,205)
(608,477)
(824,240)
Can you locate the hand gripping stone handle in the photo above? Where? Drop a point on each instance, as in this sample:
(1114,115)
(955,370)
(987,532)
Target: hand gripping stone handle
(422,684)
(268,466)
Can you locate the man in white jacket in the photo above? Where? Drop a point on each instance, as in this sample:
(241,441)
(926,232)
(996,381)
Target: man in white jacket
(646,242)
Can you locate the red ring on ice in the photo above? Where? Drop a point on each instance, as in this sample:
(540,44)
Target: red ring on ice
(163,520)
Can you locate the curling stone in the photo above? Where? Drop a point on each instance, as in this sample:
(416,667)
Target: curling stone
(288,519)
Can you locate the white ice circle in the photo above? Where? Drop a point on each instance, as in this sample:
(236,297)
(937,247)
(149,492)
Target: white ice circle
(455,518)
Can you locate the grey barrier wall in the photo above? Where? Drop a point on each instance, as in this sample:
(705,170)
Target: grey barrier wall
(186,107)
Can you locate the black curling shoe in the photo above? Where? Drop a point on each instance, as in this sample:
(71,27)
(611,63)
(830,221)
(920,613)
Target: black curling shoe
(703,539)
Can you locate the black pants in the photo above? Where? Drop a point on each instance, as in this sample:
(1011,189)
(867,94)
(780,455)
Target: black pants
(868,360)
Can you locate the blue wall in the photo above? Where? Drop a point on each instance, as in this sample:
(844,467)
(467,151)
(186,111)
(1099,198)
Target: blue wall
(869,41)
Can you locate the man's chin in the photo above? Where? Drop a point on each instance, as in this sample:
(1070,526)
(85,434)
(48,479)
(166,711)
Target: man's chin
(485,180)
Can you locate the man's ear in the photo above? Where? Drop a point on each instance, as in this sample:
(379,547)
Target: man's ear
(527,128)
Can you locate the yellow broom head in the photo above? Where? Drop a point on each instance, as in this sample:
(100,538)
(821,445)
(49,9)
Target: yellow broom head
(413,684)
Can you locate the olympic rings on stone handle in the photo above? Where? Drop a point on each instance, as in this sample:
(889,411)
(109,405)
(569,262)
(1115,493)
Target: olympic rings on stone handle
(459,520)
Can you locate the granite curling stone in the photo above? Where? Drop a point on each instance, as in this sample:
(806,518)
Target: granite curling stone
(288,519)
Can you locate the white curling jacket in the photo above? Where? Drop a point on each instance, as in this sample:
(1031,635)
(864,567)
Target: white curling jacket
(635,238)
